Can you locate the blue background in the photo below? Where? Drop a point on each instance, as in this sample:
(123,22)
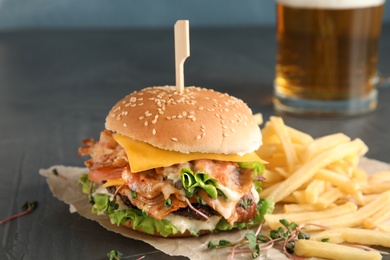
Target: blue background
(22,14)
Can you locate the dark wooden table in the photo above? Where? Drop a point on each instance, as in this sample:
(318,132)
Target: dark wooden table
(56,88)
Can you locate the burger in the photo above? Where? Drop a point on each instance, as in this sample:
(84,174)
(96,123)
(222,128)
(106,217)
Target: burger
(177,164)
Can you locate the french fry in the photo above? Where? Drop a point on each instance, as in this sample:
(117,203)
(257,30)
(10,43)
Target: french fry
(281,131)
(355,219)
(309,248)
(309,169)
(269,135)
(298,208)
(354,236)
(299,196)
(381,216)
(321,144)
(342,182)
(359,198)
(313,191)
(299,137)
(360,176)
(385,227)
(379,177)
(305,217)
(258,117)
(272,176)
(376,187)
(328,197)
(318,181)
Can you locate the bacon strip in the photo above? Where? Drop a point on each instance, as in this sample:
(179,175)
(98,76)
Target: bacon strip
(152,187)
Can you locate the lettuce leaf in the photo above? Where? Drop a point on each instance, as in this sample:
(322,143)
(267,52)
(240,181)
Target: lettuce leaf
(192,182)
(256,166)
(141,221)
(85,184)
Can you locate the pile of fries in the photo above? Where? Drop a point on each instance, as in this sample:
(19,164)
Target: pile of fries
(319,185)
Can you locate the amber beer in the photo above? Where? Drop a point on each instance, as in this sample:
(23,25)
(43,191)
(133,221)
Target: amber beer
(327,55)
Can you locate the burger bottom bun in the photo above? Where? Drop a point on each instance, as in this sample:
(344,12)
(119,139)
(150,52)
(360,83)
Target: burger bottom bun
(129,224)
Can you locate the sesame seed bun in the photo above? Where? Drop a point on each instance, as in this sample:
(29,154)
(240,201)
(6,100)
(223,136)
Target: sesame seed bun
(199,120)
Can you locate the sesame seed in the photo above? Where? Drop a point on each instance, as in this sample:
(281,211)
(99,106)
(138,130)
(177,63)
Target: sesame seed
(198,137)
(225,127)
(154,121)
(168,117)
(154,131)
(225,134)
(174,139)
(146,123)
(200,108)
(233,130)
(179,116)
(124,124)
(141,117)
(140,104)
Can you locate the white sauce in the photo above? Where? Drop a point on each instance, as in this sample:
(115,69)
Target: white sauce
(194,226)
(229,193)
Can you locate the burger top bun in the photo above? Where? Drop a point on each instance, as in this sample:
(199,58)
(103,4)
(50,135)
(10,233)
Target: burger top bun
(198,120)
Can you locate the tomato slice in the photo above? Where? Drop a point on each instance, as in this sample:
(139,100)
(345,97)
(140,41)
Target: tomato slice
(105,173)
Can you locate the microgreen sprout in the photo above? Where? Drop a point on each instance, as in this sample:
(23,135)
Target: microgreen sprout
(114,255)
(27,208)
(256,243)
(56,173)
(168,202)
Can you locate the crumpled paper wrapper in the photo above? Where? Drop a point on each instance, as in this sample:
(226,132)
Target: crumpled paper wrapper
(64,187)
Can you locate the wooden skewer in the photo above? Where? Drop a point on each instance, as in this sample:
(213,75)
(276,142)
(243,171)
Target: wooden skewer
(182,51)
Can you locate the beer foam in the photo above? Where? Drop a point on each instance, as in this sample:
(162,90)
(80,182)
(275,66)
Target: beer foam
(332,4)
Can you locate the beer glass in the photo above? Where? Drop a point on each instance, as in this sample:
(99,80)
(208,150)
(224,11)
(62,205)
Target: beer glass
(327,56)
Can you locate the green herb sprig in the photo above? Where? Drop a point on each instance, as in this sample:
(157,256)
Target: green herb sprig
(116,255)
(255,242)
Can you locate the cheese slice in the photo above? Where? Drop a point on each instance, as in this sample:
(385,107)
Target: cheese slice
(143,156)
(115,182)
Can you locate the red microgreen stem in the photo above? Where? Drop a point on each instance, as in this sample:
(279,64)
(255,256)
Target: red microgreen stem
(30,206)
(194,209)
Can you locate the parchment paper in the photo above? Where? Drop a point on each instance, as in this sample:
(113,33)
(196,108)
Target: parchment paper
(64,187)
